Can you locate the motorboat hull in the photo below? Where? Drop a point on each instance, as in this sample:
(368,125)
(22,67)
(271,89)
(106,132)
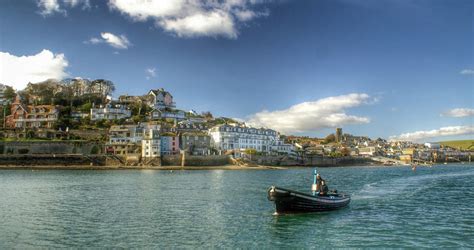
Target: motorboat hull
(289,201)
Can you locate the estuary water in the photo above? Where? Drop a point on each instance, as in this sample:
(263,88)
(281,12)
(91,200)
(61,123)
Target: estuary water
(390,207)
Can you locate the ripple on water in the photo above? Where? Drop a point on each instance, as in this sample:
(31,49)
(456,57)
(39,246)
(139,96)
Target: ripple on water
(391,207)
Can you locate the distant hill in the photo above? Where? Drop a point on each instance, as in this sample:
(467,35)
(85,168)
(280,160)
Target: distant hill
(463,144)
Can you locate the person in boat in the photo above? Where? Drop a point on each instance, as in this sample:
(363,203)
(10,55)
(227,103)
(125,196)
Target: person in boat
(324,188)
(318,183)
(321,187)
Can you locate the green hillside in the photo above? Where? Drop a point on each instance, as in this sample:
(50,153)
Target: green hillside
(463,144)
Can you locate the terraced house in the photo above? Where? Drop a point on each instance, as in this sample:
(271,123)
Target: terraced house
(236,138)
(31,116)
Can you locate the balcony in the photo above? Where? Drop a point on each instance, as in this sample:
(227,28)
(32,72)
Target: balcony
(46,119)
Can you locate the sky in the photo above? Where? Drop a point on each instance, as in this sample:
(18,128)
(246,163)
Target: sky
(396,69)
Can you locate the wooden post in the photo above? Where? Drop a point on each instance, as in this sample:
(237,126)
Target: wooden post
(183,153)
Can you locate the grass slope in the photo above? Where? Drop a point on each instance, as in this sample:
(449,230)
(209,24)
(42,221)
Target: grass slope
(463,144)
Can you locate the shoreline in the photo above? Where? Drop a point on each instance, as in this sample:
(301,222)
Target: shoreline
(195,168)
(85,167)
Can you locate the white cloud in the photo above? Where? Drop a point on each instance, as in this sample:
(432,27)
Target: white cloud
(150,73)
(50,7)
(95,40)
(459,112)
(185,18)
(211,24)
(192,18)
(308,116)
(467,72)
(17,71)
(118,42)
(444,131)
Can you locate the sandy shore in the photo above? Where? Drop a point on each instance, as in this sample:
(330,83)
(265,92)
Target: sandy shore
(84,167)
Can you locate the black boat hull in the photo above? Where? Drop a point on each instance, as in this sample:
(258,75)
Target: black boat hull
(289,201)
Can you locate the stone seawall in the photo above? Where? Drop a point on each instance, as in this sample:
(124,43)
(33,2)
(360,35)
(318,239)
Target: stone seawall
(308,161)
(209,160)
(52,160)
(51,147)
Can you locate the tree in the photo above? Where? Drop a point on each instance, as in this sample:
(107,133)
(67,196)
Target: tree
(30,134)
(330,138)
(86,108)
(103,87)
(94,150)
(43,92)
(250,152)
(9,94)
(207,114)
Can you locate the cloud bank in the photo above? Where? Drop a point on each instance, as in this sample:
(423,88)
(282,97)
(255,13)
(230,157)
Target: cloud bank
(444,131)
(17,71)
(193,18)
(184,18)
(308,116)
(459,112)
(116,41)
(50,7)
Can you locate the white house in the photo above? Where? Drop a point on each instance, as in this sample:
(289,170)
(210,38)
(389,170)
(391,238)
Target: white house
(283,148)
(110,112)
(367,151)
(151,146)
(433,145)
(163,113)
(238,138)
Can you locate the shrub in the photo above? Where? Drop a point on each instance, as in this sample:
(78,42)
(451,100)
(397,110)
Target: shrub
(23,151)
(94,150)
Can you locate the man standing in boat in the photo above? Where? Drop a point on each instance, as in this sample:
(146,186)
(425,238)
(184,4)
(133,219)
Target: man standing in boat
(320,188)
(324,188)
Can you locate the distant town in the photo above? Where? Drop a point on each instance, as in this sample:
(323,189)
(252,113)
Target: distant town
(77,119)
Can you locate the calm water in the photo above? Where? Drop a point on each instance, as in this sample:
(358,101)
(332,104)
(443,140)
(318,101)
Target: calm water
(391,207)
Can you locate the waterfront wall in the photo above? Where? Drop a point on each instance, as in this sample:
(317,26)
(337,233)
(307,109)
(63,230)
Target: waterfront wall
(52,160)
(51,147)
(191,160)
(307,161)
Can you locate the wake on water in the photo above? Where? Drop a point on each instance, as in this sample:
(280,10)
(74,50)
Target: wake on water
(391,188)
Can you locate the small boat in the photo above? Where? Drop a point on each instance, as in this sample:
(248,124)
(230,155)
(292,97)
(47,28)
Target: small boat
(289,201)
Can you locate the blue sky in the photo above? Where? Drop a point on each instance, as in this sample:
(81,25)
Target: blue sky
(290,65)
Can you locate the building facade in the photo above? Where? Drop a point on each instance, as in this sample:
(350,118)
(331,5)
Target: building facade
(238,138)
(169,144)
(125,141)
(167,114)
(110,112)
(31,116)
(160,99)
(196,143)
(151,147)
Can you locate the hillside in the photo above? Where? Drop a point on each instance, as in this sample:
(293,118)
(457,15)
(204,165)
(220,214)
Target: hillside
(463,144)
